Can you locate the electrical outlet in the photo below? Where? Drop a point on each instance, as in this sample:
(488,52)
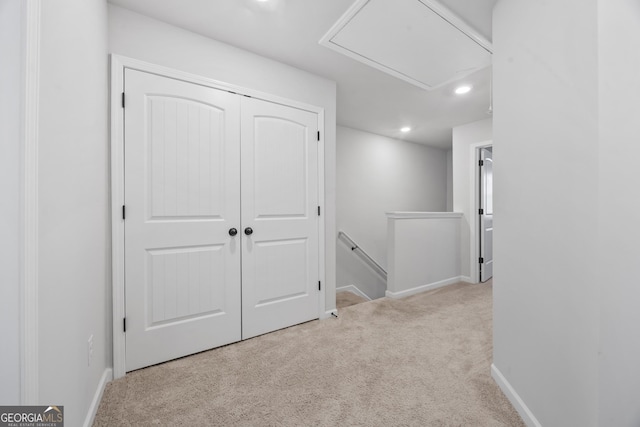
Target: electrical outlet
(90,350)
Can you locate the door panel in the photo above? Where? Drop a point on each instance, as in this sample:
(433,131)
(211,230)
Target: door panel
(486,219)
(278,281)
(280,168)
(279,203)
(175,279)
(186,159)
(182,195)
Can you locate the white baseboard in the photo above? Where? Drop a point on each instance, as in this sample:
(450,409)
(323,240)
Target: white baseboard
(467,279)
(354,290)
(423,288)
(107,376)
(527,416)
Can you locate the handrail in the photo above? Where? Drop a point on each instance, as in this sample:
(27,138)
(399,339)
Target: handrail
(363,254)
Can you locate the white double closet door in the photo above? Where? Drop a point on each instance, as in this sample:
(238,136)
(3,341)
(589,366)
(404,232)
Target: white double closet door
(201,163)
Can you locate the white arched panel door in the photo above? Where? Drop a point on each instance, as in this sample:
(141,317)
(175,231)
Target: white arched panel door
(182,196)
(279,217)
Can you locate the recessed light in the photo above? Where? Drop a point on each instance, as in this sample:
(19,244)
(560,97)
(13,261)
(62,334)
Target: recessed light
(461,90)
(405,129)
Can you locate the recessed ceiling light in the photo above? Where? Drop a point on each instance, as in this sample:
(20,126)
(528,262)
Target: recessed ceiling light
(461,90)
(405,129)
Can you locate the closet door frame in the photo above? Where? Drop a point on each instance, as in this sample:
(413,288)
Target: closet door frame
(118,66)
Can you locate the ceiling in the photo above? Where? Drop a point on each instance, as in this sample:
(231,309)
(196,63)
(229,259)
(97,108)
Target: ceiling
(289,31)
(412,40)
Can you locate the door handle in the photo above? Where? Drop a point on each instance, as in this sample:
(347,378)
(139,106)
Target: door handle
(233,232)
(248,231)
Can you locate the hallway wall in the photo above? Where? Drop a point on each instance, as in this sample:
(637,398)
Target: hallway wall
(618,212)
(10,179)
(74,225)
(547,234)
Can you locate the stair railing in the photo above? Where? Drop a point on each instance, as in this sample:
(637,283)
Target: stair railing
(361,252)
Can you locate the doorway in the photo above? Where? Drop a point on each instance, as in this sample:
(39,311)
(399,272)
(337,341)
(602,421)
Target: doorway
(485,213)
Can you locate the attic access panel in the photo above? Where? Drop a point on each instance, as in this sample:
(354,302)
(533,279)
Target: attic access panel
(419,41)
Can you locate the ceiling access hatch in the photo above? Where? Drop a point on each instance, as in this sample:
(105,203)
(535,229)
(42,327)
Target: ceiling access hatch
(419,41)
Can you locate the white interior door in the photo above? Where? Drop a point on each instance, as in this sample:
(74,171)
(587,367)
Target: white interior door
(486,216)
(280,208)
(182,196)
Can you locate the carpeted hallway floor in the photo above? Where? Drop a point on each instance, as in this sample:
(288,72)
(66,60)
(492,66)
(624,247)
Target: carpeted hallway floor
(420,361)
(347,299)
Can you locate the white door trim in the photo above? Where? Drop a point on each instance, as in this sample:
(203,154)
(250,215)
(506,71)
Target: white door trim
(323,217)
(118,65)
(29,259)
(474,232)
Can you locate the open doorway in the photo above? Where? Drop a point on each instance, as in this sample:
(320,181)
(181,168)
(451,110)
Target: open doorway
(485,213)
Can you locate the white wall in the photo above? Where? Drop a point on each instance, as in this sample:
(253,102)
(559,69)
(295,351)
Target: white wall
(10,224)
(139,37)
(450,180)
(465,140)
(546,178)
(423,251)
(375,175)
(74,235)
(619,211)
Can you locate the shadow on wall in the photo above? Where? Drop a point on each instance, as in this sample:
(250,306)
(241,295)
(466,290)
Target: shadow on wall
(353,271)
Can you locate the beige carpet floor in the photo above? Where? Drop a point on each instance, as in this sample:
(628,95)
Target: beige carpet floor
(420,361)
(347,299)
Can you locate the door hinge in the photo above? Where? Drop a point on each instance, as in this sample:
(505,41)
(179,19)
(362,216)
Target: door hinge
(318,135)
(319,285)
(481,260)
(122,99)
(318,210)
(481,163)
(124,324)
(123,212)
(481,211)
